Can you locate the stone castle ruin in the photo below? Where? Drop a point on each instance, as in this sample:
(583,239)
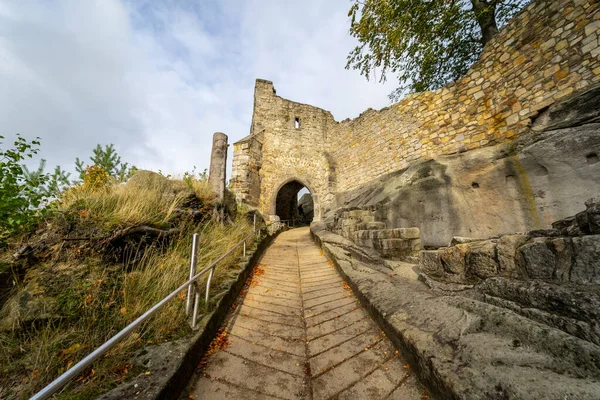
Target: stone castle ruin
(466,219)
(506,148)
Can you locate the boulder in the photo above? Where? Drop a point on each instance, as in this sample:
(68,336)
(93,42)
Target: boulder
(547,258)
(593,218)
(430,263)
(148,179)
(308,206)
(453,259)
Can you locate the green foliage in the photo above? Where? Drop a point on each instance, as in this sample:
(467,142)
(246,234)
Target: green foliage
(20,194)
(25,193)
(425,43)
(107,159)
(50,185)
(59,182)
(190,177)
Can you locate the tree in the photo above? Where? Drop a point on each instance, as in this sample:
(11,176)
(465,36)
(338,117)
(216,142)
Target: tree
(21,200)
(50,185)
(107,159)
(427,43)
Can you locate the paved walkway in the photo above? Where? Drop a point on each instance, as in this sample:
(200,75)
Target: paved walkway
(299,333)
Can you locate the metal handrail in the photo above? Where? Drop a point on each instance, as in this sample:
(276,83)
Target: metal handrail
(78,368)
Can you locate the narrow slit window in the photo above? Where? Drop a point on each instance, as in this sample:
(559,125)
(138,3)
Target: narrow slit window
(297,123)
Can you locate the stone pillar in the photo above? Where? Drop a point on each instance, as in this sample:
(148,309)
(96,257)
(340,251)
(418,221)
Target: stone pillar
(218,165)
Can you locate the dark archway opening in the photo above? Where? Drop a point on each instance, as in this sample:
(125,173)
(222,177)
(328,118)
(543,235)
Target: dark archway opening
(294,204)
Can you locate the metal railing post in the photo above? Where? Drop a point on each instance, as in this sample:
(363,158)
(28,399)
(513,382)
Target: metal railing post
(254,224)
(193,263)
(196,306)
(244,247)
(210,275)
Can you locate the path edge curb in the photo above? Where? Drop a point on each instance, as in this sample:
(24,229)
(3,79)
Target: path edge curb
(426,372)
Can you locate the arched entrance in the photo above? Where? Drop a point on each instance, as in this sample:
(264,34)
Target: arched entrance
(294,202)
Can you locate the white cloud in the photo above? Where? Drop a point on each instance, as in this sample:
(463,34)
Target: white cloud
(158,78)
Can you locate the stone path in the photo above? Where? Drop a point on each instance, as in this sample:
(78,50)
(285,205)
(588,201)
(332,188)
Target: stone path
(299,333)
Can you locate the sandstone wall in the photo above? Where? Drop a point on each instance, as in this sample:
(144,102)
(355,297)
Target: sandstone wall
(547,52)
(293,147)
(246,164)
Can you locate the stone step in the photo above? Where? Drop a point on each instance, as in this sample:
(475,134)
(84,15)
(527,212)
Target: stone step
(370,226)
(359,213)
(396,233)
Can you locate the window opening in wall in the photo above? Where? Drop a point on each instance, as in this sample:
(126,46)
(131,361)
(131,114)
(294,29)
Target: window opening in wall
(297,123)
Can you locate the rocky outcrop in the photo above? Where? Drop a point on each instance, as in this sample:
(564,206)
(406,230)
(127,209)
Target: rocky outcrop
(551,276)
(521,186)
(568,254)
(473,342)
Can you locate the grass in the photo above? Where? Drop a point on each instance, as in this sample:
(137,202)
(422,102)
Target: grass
(96,299)
(151,203)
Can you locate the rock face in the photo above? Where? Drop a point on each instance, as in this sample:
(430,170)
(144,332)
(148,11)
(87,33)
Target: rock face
(501,339)
(564,255)
(308,206)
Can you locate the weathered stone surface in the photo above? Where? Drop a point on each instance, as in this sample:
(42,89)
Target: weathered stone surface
(308,206)
(28,307)
(218,165)
(431,263)
(554,258)
(462,240)
(572,310)
(593,218)
(453,259)
(574,111)
(145,179)
(586,265)
(538,259)
(507,255)
(520,188)
(481,260)
(465,348)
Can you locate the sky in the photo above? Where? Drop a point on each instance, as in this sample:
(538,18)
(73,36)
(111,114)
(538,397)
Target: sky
(157,78)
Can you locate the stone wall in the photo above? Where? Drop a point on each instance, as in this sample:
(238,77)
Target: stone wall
(547,54)
(548,51)
(247,161)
